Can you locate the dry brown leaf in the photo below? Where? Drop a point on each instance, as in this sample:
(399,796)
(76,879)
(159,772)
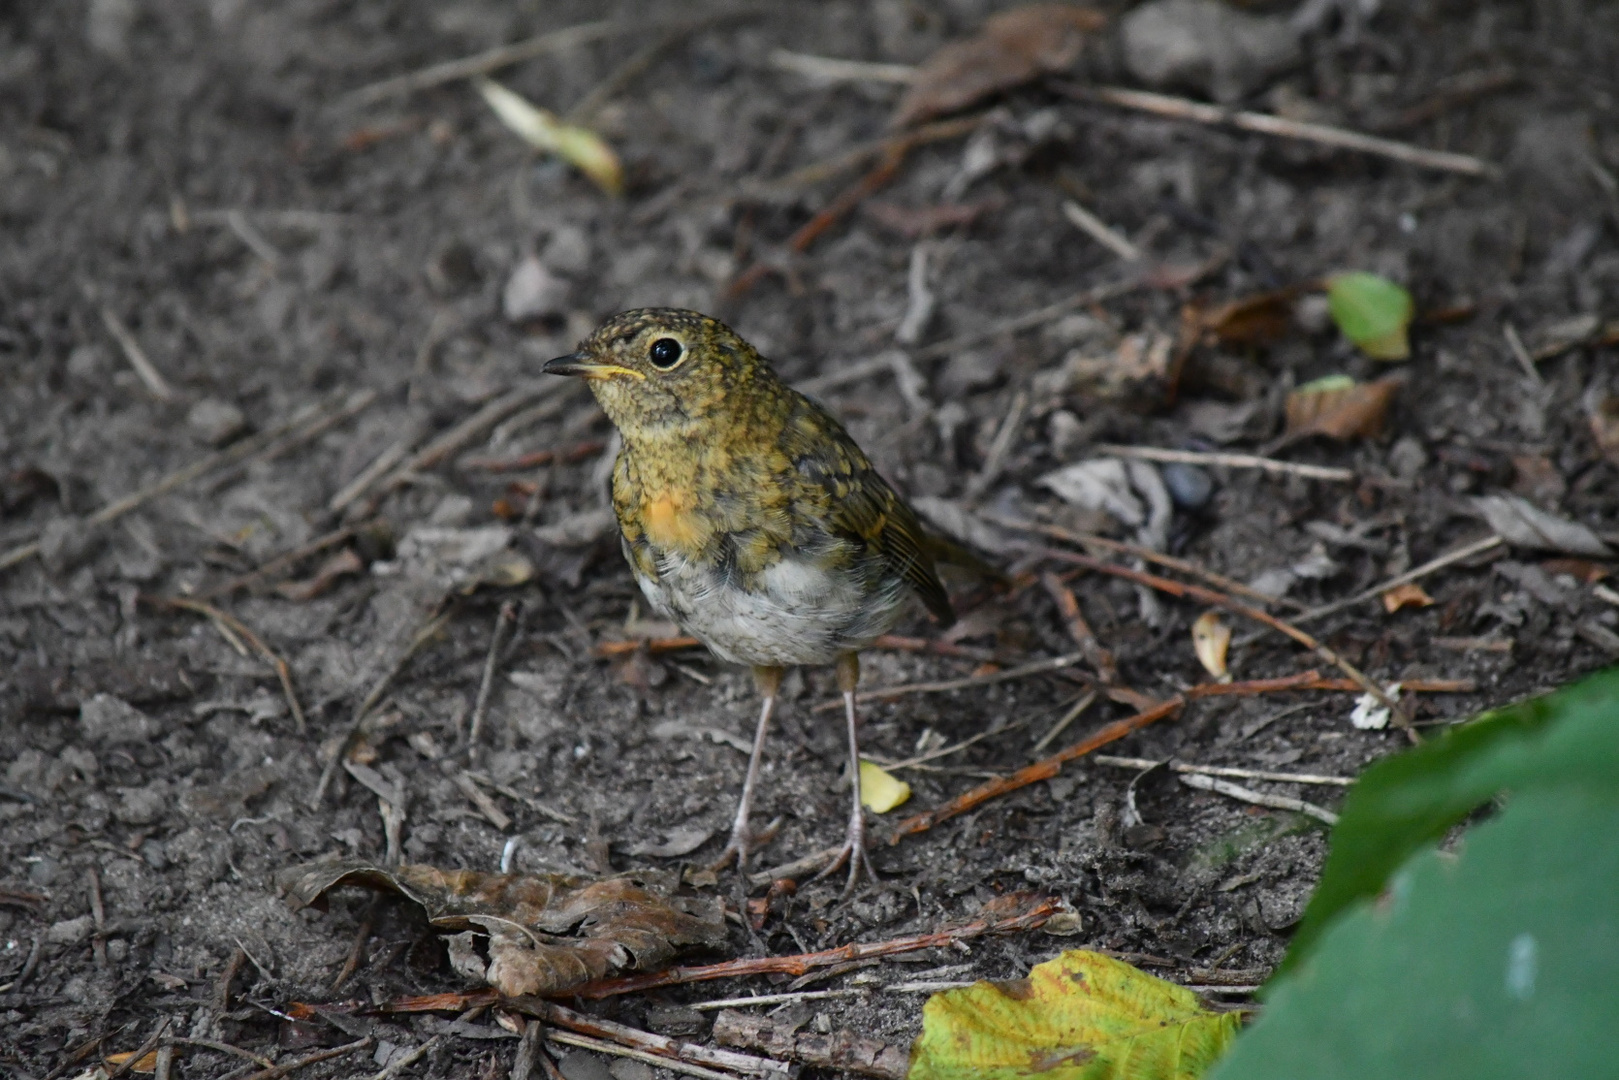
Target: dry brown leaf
(1403,596)
(1010,49)
(1340,408)
(1250,320)
(1210,640)
(547,934)
(1582,570)
(146,1066)
(342,564)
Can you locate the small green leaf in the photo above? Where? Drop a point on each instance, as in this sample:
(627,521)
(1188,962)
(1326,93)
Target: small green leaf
(1326,384)
(1373,312)
(1082,1016)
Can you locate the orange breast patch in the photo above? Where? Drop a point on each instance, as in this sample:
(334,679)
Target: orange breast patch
(671,522)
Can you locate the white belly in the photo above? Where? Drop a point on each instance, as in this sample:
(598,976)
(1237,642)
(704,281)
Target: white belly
(795,612)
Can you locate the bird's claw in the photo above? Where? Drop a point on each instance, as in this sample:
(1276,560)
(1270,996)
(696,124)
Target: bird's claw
(744,841)
(853,855)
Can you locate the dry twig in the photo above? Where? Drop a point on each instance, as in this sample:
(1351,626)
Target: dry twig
(149,375)
(229,624)
(287,1068)
(888,693)
(1259,798)
(1234,461)
(1222,770)
(1450,558)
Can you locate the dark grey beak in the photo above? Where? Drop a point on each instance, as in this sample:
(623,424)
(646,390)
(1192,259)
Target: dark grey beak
(572,364)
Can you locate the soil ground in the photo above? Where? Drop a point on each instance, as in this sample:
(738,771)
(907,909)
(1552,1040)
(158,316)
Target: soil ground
(193,169)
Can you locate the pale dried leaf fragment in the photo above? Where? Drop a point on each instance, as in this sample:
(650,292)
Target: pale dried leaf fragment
(579,147)
(1011,48)
(1523,524)
(1211,639)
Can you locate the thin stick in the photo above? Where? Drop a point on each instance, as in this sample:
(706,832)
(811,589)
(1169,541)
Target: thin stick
(374,695)
(155,383)
(1083,539)
(1221,770)
(776,999)
(860,153)
(1086,700)
(279,563)
(1519,353)
(1029,917)
(239,452)
(1098,230)
(1466,551)
(226,621)
(806,864)
(98,912)
(1080,630)
(557,41)
(1030,319)
(405,1061)
(223,1048)
(661,1049)
(480,707)
(1259,798)
(362,936)
(275,1072)
(570,454)
(829,69)
(602,1046)
(1040,770)
(999,447)
(1235,461)
(888,693)
(1236,607)
(371,473)
(145,1048)
(355,403)
(464,432)
(247,234)
(1181,109)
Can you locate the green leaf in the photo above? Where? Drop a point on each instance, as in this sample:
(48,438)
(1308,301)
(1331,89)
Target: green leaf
(1497,963)
(579,147)
(1082,1016)
(1373,312)
(1405,801)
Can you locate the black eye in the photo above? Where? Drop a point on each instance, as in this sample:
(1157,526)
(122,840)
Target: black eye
(665,353)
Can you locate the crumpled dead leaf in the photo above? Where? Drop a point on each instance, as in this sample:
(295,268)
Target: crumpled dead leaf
(1523,524)
(1131,491)
(547,934)
(1340,408)
(1010,49)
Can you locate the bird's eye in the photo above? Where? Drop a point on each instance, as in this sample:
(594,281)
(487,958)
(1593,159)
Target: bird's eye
(665,353)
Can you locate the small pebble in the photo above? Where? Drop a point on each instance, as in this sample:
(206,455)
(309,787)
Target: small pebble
(1188,485)
(583,1065)
(215,422)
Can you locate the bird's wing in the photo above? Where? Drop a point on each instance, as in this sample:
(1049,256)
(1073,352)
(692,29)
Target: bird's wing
(860,504)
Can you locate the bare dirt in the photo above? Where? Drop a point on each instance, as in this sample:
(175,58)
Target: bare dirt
(194,170)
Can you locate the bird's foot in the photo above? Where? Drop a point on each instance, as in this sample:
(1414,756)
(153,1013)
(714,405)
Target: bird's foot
(853,855)
(744,841)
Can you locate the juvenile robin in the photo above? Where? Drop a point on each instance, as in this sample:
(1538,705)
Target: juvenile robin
(751,518)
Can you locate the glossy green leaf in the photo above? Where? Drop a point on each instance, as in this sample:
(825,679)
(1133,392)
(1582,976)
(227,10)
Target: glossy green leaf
(1570,737)
(1373,312)
(1082,1016)
(1497,962)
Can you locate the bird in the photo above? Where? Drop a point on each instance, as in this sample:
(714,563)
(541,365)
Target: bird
(751,518)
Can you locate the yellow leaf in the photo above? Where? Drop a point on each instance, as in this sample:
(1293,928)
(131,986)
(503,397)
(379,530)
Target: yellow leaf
(579,147)
(880,790)
(146,1066)
(1082,1016)
(1210,639)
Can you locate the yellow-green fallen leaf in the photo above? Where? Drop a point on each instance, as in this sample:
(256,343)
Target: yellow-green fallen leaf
(1082,1016)
(880,790)
(1373,312)
(579,147)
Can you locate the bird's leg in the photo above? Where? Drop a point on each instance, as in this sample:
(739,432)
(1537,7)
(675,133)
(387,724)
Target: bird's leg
(854,843)
(768,680)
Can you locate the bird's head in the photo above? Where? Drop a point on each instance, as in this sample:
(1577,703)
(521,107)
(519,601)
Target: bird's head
(666,371)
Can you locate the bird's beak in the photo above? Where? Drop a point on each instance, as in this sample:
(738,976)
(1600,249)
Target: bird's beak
(583,366)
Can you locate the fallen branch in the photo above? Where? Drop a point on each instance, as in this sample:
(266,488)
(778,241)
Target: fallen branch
(1450,558)
(888,693)
(1221,770)
(660,1049)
